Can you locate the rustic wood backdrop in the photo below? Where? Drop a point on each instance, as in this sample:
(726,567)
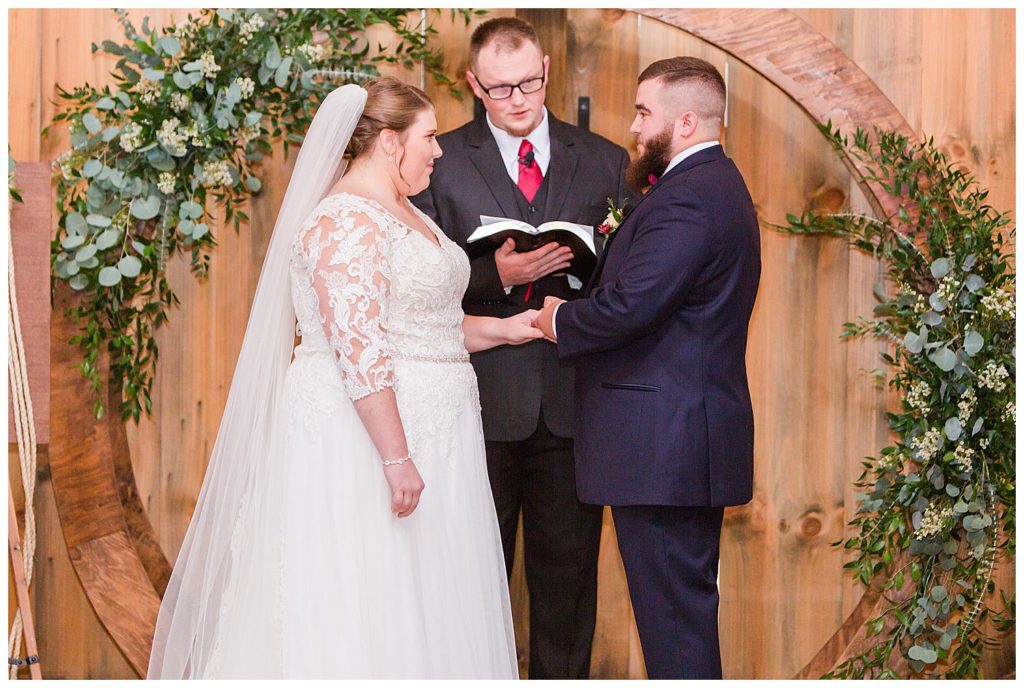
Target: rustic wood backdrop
(818,411)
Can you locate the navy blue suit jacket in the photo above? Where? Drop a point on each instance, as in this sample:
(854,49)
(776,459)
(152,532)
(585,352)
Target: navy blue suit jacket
(659,346)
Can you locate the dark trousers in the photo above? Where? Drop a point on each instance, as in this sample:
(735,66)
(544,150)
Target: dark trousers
(561,538)
(671,558)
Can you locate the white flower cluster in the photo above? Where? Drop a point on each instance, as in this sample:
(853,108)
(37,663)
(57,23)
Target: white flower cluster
(250,26)
(917,396)
(217,173)
(966,405)
(208,66)
(921,305)
(936,519)
(993,377)
(246,85)
(949,288)
(148,90)
(927,445)
(1010,413)
(180,102)
(249,133)
(131,137)
(983,443)
(891,462)
(999,304)
(171,136)
(963,457)
(165,182)
(314,52)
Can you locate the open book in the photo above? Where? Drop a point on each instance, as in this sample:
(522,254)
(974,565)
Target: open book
(494,231)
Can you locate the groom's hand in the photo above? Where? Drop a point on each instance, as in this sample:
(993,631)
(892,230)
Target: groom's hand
(545,322)
(522,268)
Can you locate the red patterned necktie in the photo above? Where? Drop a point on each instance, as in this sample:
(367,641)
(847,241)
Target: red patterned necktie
(530,178)
(529,172)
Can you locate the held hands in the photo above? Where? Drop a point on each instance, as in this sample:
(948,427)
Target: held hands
(521,268)
(545,321)
(520,329)
(406,485)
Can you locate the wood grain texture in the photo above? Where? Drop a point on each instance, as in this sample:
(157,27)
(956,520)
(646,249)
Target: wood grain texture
(30,235)
(783,591)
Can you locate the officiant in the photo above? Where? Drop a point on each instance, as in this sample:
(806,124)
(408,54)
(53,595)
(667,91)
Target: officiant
(518,161)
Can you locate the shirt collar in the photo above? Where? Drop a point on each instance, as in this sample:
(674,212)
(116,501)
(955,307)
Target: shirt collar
(508,144)
(684,154)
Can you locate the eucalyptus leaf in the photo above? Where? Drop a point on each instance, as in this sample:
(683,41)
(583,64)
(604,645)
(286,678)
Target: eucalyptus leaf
(940,268)
(89,263)
(973,343)
(281,76)
(91,168)
(937,302)
(978,424)
(152,74)
(146,209)
(953,429)
(109,276)
(139,247)
(939,593)
(107,239)
(110,133)
(76,224)
(943,358)
(912,342)
(85,253)
(200,231)
(105,103)
(253,184)
(273,57)
(98,220)
(252,118)
(170,45)
(182,81)
(974,283)
(72,241)
(79,282)
(931,318)
(129,266)
(193,66)
(91,123)
(190,210)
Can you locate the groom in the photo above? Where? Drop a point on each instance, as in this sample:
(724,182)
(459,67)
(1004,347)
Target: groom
(661,385)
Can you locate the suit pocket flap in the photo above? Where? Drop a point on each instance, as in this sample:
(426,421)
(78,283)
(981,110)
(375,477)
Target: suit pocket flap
(630,386)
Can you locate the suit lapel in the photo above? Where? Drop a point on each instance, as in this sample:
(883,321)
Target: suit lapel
(487,159)
(561,168)
(698,158)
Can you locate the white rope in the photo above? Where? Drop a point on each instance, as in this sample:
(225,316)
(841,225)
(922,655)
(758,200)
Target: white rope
(25,429)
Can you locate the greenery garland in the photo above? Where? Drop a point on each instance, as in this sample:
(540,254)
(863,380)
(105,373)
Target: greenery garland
(195,109)
(937,506)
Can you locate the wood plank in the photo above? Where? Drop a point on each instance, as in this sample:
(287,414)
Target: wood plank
(31,228)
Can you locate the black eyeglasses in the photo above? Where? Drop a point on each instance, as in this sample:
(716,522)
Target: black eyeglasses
(503,91)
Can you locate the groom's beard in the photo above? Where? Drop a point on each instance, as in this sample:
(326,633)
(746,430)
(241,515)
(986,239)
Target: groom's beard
(654,160)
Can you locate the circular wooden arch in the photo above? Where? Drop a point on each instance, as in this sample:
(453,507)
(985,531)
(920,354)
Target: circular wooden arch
(109,538)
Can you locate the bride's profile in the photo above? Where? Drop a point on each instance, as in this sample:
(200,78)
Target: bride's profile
(345,527)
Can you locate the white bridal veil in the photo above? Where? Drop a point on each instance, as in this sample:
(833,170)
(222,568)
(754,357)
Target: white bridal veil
(250,434)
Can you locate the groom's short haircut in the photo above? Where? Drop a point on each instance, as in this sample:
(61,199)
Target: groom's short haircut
(697,82)
(506,33)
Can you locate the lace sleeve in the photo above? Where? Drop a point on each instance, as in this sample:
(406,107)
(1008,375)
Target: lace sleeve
(351,279)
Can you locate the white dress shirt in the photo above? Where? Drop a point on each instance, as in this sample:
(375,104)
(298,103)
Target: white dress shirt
(679,157)
(508,146)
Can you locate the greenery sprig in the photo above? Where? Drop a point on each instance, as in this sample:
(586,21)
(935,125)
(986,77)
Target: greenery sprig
(195,109)
(936,510)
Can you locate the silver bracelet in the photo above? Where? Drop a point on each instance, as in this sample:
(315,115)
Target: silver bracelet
(398,462)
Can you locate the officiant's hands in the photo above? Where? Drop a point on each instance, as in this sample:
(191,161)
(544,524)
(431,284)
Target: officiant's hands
(522,268)
(545,321)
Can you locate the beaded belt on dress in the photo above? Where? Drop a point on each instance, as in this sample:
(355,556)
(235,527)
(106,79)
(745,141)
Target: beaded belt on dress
(454,358)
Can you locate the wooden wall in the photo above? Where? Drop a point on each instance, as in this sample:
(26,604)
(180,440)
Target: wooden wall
(951,73)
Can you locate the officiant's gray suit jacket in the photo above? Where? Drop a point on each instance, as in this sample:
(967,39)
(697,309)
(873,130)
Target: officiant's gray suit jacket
(517,384)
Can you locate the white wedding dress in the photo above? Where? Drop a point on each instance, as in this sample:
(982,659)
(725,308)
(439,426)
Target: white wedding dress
(342,588)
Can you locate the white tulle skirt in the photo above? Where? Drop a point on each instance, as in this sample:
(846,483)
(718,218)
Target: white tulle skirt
(328,583)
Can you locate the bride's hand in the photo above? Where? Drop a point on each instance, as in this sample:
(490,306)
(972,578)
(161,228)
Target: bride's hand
(406,485)
(519,328)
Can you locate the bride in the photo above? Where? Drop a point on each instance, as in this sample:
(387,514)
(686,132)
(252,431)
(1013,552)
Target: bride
(345,527)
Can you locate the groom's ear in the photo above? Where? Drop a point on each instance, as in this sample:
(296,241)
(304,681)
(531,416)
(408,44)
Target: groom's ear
(474,84)
(686,124)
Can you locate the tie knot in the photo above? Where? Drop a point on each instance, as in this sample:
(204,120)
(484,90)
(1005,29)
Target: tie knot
(525,148)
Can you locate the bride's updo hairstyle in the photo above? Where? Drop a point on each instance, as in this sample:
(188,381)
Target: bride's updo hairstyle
(390,104)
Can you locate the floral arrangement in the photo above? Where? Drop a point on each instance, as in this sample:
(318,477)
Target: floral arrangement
(195,109)
(937,511)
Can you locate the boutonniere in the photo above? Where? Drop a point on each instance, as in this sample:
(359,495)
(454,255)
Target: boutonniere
(611,223)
